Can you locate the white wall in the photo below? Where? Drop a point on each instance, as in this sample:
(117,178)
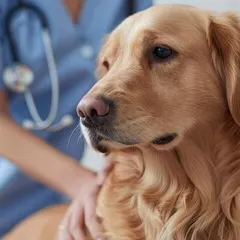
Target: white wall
(216,5)
(92,159)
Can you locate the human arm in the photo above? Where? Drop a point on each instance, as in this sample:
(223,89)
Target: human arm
(37,158)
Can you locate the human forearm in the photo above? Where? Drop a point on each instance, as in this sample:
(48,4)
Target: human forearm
(38,159)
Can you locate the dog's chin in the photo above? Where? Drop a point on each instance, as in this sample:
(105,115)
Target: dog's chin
(93,139)
(103,143)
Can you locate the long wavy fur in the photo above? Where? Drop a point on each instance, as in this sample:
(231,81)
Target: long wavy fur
(187,193)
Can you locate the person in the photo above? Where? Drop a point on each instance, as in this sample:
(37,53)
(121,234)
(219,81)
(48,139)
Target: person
(51,46)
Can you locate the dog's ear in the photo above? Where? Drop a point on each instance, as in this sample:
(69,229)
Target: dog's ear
(224,37)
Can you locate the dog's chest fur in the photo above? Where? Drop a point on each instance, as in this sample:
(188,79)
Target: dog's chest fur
(189,193)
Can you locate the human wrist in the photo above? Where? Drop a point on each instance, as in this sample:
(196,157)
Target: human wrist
(76,180)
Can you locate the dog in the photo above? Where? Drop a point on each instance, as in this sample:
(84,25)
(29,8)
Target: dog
(167,110)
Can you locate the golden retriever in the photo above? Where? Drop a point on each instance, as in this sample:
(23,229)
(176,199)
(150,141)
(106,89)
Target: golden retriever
(168,111)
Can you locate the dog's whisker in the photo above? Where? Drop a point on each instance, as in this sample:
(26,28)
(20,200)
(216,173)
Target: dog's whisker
(81,136)
(70,137)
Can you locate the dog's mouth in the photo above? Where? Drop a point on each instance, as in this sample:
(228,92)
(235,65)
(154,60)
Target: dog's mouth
(100,138)
(97,142)
(165,139)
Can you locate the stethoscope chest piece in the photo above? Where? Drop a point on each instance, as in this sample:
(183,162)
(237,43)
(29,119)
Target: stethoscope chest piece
(18,77)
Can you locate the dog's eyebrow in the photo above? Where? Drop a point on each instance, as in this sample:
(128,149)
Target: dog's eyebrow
(147,35)
(150,36)
(142,37)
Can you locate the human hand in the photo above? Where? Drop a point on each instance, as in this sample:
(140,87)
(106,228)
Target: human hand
(81,214)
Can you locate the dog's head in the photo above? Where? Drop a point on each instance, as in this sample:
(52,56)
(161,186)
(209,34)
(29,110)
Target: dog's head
(163,72)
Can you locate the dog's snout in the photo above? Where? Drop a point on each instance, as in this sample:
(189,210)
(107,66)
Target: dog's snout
(94,110)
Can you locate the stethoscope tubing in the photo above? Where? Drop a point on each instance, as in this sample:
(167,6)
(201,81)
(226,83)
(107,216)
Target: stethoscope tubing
(38,123)
(44,124)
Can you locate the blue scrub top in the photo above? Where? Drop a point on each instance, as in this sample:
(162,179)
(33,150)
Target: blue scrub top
(75,47)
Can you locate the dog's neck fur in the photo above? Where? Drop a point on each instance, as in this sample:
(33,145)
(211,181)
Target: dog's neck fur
(185,193)
(208,156)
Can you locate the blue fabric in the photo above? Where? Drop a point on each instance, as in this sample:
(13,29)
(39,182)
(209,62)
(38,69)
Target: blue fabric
(21,195)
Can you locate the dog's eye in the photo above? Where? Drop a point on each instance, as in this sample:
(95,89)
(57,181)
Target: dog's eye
(162,53)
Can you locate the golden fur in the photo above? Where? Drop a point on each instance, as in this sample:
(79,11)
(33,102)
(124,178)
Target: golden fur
(188,189)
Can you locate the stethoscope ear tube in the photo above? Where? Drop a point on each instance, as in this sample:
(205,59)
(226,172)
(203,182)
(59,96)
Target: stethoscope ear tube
(8,20)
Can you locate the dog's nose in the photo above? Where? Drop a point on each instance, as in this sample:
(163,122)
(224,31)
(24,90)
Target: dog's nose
(93,109)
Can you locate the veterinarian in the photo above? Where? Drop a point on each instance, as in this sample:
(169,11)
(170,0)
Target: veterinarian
(47,61)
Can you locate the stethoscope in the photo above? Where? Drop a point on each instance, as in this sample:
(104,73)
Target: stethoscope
(18,77)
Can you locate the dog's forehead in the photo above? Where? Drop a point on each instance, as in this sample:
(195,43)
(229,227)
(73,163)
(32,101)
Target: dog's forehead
(179,26)
(165,19)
